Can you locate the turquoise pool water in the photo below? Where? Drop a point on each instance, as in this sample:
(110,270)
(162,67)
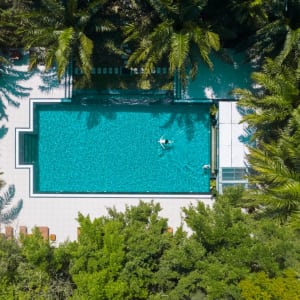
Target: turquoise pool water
(115,148)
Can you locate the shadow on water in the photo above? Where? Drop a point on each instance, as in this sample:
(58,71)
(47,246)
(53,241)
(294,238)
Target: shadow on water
(10,89)
(94,115)
(186,119)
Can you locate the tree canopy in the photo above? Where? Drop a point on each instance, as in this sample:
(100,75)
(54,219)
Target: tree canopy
(133,255)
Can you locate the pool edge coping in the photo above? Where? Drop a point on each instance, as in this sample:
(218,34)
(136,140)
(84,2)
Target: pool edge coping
(29,167)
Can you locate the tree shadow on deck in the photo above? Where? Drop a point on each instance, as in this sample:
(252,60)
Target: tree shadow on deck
(49,81)
(3,131)
(11,91)
(247,137)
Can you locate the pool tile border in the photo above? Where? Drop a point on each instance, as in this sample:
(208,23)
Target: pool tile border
(29,167)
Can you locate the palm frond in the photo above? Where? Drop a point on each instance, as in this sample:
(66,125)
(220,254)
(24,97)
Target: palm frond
(270,166)
(206,41)
(50,57)
(289,191)
(112,47)
(213,40)
(104,26)
(292,40)
(63,51)
(179,51)
(85,54)
(162,33)
(140,54)
(276,84)
(131,33)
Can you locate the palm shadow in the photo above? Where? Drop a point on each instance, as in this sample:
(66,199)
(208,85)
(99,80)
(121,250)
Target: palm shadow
(186,120)
(3,131)
(95,115)
(247,137)
(11,90)
(49,80)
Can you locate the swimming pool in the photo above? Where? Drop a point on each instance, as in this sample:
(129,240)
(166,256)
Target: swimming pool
(100,148)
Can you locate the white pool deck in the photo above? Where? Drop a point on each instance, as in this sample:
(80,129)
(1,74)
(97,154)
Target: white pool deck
(58,212)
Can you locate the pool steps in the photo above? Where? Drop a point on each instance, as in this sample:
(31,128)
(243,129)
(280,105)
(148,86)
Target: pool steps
(28,142)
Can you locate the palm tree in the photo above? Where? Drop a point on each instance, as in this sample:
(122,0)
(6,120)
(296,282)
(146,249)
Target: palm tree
(274,113)
(8,214)
(271,104)
(276,175)
(174,31)
(65,30)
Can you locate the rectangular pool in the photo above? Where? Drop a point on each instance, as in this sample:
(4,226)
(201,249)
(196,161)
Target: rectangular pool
(99,148)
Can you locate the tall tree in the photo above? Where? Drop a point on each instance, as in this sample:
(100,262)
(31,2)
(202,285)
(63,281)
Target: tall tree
(118,256)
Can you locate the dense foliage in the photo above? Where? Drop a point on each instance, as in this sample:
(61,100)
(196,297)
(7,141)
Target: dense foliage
(227,253)
(134,255)
(178,33)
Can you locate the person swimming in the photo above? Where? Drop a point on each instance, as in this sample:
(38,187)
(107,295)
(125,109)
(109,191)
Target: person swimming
(164,142)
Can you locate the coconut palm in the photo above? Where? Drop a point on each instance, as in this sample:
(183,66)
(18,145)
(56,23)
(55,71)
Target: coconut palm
(62,31)
(7,213)
(173,31)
